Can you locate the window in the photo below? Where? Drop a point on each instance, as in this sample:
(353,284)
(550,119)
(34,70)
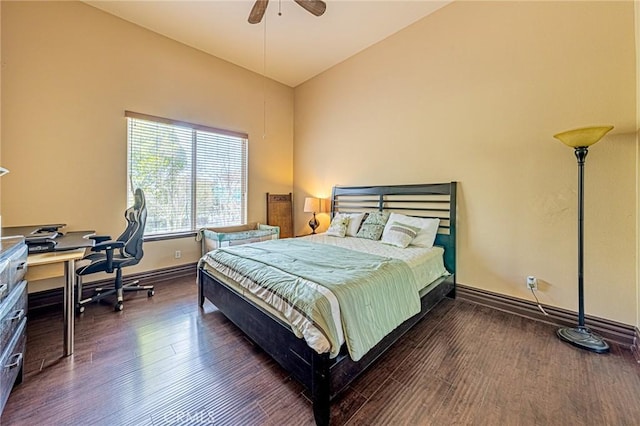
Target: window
(192,176)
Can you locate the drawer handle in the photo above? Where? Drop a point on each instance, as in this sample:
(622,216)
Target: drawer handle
(16,363)
(3,289)
(21,266)
(18,316)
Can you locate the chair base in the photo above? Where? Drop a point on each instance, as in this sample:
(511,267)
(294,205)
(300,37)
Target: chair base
(101,293)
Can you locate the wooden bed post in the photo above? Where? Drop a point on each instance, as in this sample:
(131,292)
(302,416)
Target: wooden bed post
(200,291)
(453,219)
(321,388)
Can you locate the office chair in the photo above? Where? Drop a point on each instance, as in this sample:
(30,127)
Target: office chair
(109,256)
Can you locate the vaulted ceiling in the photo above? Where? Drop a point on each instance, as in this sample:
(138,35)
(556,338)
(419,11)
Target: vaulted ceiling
(290,45)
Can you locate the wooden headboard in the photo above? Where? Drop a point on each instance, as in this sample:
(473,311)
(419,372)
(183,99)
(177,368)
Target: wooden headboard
(432,200)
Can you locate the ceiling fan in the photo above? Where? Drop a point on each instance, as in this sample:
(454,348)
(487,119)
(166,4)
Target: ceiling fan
(315,7)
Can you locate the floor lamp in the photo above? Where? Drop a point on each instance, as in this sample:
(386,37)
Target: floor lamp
(580,140)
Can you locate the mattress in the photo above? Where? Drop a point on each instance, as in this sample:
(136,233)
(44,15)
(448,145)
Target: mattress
(426,265)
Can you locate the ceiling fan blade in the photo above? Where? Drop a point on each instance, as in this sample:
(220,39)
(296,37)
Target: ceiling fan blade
(257,11)
(315,7)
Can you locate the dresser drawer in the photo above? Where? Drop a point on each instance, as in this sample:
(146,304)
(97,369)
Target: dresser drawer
(11,362)
(5,279)
(12,311)
(18,265)
(12,269)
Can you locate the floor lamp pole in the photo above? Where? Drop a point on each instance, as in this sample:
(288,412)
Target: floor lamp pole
(581,336)
(581,155)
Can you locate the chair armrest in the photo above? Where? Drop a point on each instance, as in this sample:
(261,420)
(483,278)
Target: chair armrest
(108,246)
(99,238)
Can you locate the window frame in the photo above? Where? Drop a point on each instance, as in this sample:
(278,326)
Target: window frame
(194,128)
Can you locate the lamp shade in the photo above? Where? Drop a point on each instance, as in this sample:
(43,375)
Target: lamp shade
(585,136)
(311,205)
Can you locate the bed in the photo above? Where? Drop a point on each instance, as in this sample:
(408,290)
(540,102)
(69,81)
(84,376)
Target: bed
(327,372)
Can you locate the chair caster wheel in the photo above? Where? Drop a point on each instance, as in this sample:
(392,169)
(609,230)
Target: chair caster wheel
(150,293)
(80,309)
(118,307)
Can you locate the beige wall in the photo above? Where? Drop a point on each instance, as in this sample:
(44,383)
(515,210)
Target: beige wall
(69,71)
(474,93)
(637,29)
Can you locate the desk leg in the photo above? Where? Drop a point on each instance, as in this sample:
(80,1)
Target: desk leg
(69,308)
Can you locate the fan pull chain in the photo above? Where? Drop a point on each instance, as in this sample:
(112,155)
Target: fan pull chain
(279,7)
(264,80)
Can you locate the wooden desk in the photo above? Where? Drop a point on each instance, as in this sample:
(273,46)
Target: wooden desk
(58,264)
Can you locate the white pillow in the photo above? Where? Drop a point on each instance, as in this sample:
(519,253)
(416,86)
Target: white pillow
(338,227)
(428,228)
(399,234)
(355,219)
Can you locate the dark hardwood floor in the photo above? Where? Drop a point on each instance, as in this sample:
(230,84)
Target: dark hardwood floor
(164,361)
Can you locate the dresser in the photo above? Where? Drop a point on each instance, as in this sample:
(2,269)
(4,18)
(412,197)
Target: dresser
(13,313)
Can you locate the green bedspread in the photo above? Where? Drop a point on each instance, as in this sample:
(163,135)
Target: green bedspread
(375,293)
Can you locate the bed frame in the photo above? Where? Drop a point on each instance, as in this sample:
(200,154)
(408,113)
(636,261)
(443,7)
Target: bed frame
(324,377)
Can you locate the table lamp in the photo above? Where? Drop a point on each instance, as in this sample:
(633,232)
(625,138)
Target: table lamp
(580,140)
(312,205)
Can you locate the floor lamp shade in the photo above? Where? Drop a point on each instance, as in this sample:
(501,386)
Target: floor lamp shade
(312,205)
(580,140)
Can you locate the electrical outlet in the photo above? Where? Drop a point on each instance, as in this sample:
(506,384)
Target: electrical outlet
(178,254)
(532,283)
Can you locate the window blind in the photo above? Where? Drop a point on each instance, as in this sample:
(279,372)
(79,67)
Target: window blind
(193,176)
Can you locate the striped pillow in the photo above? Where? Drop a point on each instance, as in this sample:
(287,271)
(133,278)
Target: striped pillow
(399,234)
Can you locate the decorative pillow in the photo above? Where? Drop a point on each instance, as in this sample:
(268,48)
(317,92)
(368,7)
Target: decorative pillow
(355,219)
(338,227)
(399,234)
(373,225)
(428,228)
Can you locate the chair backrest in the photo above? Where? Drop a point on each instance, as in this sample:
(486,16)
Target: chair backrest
(136,216)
